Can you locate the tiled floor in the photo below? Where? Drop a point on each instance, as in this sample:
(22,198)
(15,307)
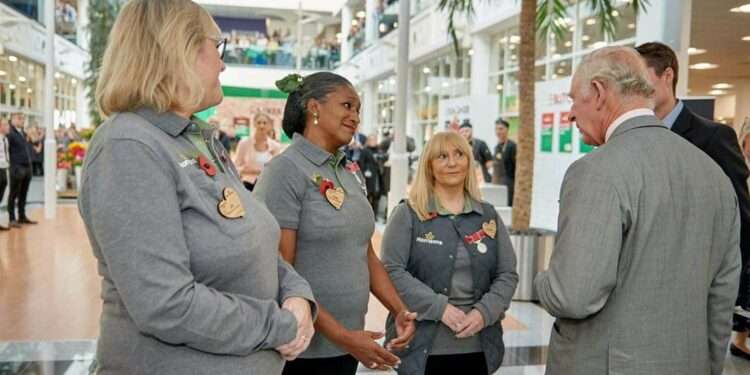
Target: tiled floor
(49,306)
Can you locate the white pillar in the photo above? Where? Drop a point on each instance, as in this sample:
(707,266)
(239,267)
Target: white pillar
(742,103)
(83,23)
(668,21)
(399,157)
(346,26)
(50,145)
(483,110)
(371,22)
(369,107)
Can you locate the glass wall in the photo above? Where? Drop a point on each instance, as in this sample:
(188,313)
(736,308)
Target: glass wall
(555,56)
(443,78)
(22,86)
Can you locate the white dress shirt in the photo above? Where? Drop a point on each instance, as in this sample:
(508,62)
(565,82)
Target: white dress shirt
(4,154)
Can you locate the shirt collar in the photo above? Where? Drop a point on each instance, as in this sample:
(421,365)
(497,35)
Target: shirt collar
(625,117)
(314,153)
(670,119)
(470,205)
(168,122)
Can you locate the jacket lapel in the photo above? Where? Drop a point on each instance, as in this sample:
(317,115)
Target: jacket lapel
(683,122)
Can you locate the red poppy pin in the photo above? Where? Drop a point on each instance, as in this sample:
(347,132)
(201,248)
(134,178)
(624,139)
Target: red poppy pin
(205,165)
(352,167)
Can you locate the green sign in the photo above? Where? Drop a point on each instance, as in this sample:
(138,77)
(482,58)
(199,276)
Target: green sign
(548,120)
(566,137)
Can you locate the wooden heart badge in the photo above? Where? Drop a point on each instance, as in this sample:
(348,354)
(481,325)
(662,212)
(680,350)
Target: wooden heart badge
(231,206)
(336,197)
(490,228)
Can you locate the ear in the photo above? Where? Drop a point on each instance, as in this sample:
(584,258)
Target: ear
(313,106)
(599,94)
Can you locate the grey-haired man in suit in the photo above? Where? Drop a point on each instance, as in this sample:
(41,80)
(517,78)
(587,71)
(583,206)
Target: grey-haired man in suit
(645,271)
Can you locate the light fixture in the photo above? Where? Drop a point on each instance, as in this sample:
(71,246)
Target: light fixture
(471,52)
(513,57)
(704,66)
(73,81)
(741,9)
(361,14)
(585,38)
(692,51)
(499,87)
(2,73)
(355,23)
(515,39)
(556,56)
(29,91)
(381,27)
(392,81)
(746,38)
(445,84)
(21,79)
(504,40)
(722,86)
(615,13)
(717,92)
(395,25)
(57,76)
(591,21)
(380,86)
(12,58)
(426,70)
(568,44)
(12,86)
(428,88)
(598,45)
(560,71)
(631,26)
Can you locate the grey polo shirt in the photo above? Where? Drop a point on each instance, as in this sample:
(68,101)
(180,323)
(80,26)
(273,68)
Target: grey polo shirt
(184,289)
(331,244)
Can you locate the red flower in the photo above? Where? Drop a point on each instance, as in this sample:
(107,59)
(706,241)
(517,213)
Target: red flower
(206,166)
(352,166)
(325,185)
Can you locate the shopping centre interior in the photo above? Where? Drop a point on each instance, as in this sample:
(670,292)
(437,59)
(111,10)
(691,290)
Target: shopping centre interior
(49,286)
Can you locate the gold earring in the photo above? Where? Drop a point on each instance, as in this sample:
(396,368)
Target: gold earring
(315,119)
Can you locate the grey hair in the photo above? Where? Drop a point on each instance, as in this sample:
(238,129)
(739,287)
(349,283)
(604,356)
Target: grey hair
(618,67)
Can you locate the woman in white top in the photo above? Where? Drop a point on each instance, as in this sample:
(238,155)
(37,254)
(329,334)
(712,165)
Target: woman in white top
(254,152)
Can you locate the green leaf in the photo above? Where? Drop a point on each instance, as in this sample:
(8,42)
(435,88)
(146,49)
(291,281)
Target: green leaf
(290,83)
(454,8)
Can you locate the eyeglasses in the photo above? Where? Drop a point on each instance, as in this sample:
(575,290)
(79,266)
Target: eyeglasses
(221,47)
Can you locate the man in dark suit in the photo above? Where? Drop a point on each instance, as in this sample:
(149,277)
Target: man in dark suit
(20,171)
(720,143)
(504,165)
(482,154)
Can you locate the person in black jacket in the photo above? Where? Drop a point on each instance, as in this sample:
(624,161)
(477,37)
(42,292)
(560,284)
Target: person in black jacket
(720,143)
(368,163)
(20,171)
(504,163)
(482,154)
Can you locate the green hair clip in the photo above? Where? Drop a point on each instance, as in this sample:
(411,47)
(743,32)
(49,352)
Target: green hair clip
(290,83)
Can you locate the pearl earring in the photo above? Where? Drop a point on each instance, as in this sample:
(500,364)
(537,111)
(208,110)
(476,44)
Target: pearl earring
(315,119)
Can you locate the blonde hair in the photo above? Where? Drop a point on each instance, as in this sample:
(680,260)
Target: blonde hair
(150,55)
(423,189)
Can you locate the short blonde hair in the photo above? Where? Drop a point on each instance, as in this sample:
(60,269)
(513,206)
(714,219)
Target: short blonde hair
(423,189)
(151,52)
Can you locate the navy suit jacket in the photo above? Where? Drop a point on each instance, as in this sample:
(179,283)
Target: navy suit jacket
(720,143)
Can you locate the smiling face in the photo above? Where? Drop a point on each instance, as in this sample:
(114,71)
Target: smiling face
(338,114)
